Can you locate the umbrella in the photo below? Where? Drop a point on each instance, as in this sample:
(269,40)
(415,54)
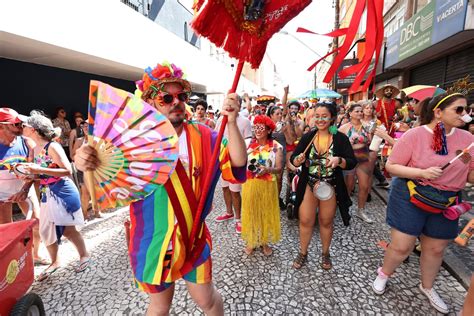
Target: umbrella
(320,93)
(421,92)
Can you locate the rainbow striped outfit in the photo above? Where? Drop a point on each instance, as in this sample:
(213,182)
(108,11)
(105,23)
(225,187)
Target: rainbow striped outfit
(162,222)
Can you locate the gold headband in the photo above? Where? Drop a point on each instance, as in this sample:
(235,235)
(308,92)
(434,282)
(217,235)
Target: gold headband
(445,98)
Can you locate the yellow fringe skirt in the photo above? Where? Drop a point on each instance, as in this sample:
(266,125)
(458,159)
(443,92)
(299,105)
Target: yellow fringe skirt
(260,213)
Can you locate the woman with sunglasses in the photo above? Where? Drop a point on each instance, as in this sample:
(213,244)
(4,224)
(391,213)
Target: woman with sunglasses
(420,155)
(260,209)
(322,153)
(360,138)
(60,210)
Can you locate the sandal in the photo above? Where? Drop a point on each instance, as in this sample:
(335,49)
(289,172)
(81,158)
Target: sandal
(83,265)
(248,251)
(46,273)
(41,262)
(300,261)
(267,251)
(326,263)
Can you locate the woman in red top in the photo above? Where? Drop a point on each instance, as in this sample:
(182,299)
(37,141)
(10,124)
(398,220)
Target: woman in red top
(200,108)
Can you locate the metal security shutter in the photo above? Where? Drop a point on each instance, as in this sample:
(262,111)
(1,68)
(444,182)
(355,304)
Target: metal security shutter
(460,65)
(429,74)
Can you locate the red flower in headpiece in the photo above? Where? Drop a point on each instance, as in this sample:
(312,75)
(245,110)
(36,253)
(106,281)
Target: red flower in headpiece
(265,120)
(161,72)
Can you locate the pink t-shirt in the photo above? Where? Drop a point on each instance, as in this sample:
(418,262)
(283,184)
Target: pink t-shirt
(414,150)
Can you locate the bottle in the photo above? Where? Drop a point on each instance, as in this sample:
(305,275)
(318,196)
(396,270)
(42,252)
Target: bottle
(453,212)
(466,234)
(376,141)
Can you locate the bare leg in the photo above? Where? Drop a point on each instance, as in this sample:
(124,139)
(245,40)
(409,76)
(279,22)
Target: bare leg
(468,308)
(236,203)
(36,236)
(5,213)
(363,175)
(160,303)
(431,259)
(307,215)
(228,200)
(53,254)
(350,183)
(207,298)
(327,211)
(75,237)
(398,250)
(85,198)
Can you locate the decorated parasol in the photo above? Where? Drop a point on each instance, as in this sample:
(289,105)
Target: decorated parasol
(319,93)
(136,146)
(243,29)
(421,92)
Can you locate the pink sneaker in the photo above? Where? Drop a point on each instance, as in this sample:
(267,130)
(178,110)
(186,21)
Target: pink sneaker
(238,227)
(224,217)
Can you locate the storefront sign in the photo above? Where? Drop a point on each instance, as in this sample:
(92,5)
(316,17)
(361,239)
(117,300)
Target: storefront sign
(347,81)
(437,21)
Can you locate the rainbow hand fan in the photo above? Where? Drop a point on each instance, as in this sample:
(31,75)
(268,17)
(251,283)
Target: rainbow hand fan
(136,144)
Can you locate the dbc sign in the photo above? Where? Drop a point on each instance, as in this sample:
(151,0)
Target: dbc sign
(409,31)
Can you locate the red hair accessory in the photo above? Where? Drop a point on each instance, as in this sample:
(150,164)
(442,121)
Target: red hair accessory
(265,120)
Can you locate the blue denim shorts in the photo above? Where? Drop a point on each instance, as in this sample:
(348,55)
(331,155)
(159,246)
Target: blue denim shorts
(407,218)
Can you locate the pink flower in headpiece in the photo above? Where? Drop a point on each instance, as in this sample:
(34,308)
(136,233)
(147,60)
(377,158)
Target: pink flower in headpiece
(139,85)
(177,72)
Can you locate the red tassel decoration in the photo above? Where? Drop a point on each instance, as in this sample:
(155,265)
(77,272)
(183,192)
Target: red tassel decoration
(439,144)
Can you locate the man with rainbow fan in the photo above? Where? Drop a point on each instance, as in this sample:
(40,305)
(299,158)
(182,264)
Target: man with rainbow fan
(159,249)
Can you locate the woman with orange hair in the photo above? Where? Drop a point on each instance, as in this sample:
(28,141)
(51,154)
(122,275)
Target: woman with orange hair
(260,209)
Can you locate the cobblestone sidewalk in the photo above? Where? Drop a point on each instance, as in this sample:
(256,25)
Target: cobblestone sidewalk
(255,284)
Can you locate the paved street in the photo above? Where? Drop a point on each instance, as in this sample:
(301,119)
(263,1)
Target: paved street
(251,285)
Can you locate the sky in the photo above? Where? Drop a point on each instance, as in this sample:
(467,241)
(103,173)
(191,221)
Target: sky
(291,57)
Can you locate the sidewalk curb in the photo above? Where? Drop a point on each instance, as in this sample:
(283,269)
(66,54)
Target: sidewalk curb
(451,262)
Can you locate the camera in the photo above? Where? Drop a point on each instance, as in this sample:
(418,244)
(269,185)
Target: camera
(254,10)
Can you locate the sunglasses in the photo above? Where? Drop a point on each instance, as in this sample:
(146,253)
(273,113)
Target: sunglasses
(460,110)
(323,119)
(19,125)
(259,128)
(169,97)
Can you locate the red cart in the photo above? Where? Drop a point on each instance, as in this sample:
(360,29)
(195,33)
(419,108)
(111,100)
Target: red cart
(16,270)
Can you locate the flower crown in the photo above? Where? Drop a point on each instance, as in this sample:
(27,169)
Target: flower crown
(153,79)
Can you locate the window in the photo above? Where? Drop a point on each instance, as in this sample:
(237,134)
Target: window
(420,4)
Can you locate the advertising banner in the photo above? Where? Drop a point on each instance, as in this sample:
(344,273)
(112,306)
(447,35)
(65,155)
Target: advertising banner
(437,21)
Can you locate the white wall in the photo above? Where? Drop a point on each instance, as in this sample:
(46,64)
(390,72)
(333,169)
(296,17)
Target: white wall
(107,30)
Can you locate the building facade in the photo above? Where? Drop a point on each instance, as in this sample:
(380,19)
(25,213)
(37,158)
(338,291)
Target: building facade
(56,47)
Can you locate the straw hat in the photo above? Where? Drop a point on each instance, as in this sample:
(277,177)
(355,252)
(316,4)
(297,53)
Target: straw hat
(379,92)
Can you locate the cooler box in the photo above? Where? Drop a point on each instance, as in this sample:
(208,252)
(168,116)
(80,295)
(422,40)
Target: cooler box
(16,262)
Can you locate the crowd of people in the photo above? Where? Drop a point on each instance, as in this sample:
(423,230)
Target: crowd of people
(333,150)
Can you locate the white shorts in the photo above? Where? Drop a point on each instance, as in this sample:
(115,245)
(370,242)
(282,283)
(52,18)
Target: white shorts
(234,187)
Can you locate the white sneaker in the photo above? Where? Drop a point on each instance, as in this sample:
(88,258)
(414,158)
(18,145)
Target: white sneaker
(380,282)
(364,216)
(436,301)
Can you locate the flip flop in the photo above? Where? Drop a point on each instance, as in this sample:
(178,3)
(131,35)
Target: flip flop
(46,273)
(42,262)
(83,265)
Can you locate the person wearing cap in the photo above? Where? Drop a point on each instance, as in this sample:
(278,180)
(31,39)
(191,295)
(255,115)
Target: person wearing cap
(16,149)
(386,106)
(160,248)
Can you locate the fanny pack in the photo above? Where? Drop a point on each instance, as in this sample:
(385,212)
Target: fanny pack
(428,198)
